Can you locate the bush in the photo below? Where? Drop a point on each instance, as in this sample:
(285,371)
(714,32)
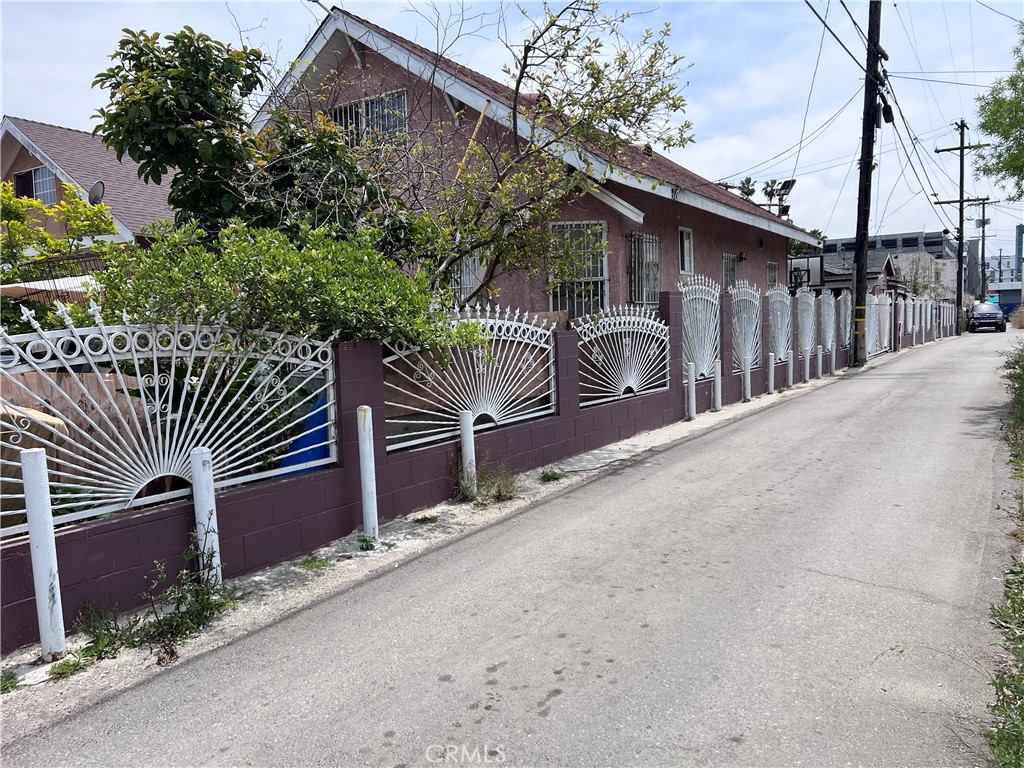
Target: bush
(1017,318)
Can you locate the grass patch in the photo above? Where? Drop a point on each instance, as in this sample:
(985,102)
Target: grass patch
(388,545)
(8,681)
(314,563)
(68,667)
(551,475)
(1006,738)
(425,519)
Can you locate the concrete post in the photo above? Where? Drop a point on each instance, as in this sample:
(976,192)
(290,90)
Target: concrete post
(468,452)
(790,364)
(807,365)
(746,380)
(717,404)
(367,470)
(771,373)
(691,391)
(205,503)
(832,361)
(43,551)
(818,354)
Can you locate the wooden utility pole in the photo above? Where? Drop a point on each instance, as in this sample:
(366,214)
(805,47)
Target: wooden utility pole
(867,155)
(962,148)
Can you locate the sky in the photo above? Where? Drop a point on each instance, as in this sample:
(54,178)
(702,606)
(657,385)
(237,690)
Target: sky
(771,93)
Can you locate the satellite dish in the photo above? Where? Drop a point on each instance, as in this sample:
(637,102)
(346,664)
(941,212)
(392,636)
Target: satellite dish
(96,193)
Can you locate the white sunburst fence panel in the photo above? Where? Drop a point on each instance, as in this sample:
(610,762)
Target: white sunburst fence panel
(909,329)
(827,307)
(901,316)
(884,322)
(622,352)
(510,378)
(746,326)
(931,312)
(871,324)
(780,322)
(120,408)
(807,336)
(845,317)
(702,307)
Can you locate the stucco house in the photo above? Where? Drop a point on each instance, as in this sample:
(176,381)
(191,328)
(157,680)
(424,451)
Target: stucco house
(659,221)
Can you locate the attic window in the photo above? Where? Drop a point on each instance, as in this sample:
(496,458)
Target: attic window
(376,119)
(39,183)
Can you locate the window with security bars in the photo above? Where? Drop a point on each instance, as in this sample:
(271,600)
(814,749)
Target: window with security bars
(376,119)
(466,277)
(773,274)
(39,183)
(728,271)
(643,268)
(589,292)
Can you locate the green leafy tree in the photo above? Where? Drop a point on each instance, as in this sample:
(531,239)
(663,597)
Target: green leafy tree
(1001,119)
(747,187)
(797,248)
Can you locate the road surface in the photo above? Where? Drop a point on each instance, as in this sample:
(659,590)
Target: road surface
(808,586)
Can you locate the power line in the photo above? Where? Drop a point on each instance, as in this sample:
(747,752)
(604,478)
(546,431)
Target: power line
(933,80)
(860,31)
(810,91)
(995,10)
(832,32)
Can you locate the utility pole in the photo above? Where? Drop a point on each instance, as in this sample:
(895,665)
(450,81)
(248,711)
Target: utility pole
(962,125)
(867,155)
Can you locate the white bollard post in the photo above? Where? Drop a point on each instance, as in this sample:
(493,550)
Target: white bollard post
(367,470)
(771,373)
(746,380)
(207,532)
(468,452)
(832,360)
(807,365)
(819,360)
(790,364)
(691,391)
(717,404)
(43,551)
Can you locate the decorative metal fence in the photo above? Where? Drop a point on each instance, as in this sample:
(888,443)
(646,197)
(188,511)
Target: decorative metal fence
(845,318)
(871,324)
(884,322)
(780,322)
(623,352)
(702,299)
(806,321)
(746,326)
(827,311)
(118,410)
(910,328)
(509,379)
(901,316)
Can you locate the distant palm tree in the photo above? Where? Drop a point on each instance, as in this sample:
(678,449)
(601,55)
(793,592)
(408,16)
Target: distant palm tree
(770,190)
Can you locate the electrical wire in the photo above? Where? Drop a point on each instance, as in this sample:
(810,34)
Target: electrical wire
(855,24)
(832,32)
(807,106)
(994,10)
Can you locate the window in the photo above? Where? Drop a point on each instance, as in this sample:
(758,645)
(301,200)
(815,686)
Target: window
(773,274)
(589,292)
(374,119)
(685,251)
(644,268)
(466,278)
(39,183)
(728,271)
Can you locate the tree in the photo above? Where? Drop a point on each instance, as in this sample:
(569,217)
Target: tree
(920,276)
(797,248)
(583,95)
(747,187)
(1001,119)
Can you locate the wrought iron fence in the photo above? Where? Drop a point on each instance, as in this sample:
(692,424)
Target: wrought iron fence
(119,409)
(871,325)
(827,311)
(780,322)
(622,352)
(806,321)
(845,317)
(509,379)
(702,301)
(746,326)
(884,322)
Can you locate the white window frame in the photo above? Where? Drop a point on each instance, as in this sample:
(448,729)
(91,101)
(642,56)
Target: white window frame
(44,184)
(770,279)
(728,271)
(467,276)
(685,253)
(367,119)
(556,298)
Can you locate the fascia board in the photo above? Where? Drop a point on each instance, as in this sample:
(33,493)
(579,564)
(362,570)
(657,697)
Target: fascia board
(620,206)
(8,126)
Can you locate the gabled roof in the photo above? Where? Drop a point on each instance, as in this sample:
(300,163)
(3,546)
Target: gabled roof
(841,265)
(657,174)
(81,159)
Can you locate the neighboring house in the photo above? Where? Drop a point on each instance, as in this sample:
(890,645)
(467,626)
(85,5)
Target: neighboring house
(659,222)
(38,159)
(838,273)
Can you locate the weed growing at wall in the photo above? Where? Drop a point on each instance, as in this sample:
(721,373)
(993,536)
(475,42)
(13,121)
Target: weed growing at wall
(1017,318)
(1006,738)
(8,681)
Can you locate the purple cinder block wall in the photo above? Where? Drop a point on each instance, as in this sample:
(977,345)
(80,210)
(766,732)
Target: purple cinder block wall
(112,561)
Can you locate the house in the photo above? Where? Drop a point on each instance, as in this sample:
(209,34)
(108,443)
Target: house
(39,159)
(838,273)
(657,221)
